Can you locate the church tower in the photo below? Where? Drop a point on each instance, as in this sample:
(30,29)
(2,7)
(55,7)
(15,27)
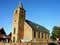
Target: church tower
(18,24)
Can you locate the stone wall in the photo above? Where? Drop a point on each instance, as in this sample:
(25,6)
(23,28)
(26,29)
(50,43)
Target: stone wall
(29,43)
(24,43)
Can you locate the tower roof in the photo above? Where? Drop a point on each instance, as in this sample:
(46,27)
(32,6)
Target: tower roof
(20,5)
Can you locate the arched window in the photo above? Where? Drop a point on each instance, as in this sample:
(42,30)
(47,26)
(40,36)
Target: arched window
(14,30)
(13,39)
(42,35)
(38,34)
(34,34)
(45,36)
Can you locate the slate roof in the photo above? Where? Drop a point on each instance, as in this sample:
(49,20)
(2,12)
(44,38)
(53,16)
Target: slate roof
(37,27)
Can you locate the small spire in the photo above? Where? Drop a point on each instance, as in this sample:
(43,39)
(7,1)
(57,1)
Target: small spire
(20,4)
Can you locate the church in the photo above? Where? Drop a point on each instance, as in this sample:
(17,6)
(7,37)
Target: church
(27,31)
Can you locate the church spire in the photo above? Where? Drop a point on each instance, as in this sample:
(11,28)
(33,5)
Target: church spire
(20,4)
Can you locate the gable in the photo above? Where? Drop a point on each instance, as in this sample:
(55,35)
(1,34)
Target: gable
(27,32)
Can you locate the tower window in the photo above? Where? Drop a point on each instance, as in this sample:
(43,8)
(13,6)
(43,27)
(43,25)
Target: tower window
(15,20)
(16,11)
(13,39)
(14,30)
(34,34)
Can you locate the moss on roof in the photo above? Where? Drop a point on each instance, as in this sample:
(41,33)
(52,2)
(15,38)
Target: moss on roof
(37,27)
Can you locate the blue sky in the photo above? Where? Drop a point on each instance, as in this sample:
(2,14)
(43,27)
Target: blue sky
(42,12)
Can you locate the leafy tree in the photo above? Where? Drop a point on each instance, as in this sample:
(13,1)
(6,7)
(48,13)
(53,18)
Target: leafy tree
(2,31)
(55,32)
